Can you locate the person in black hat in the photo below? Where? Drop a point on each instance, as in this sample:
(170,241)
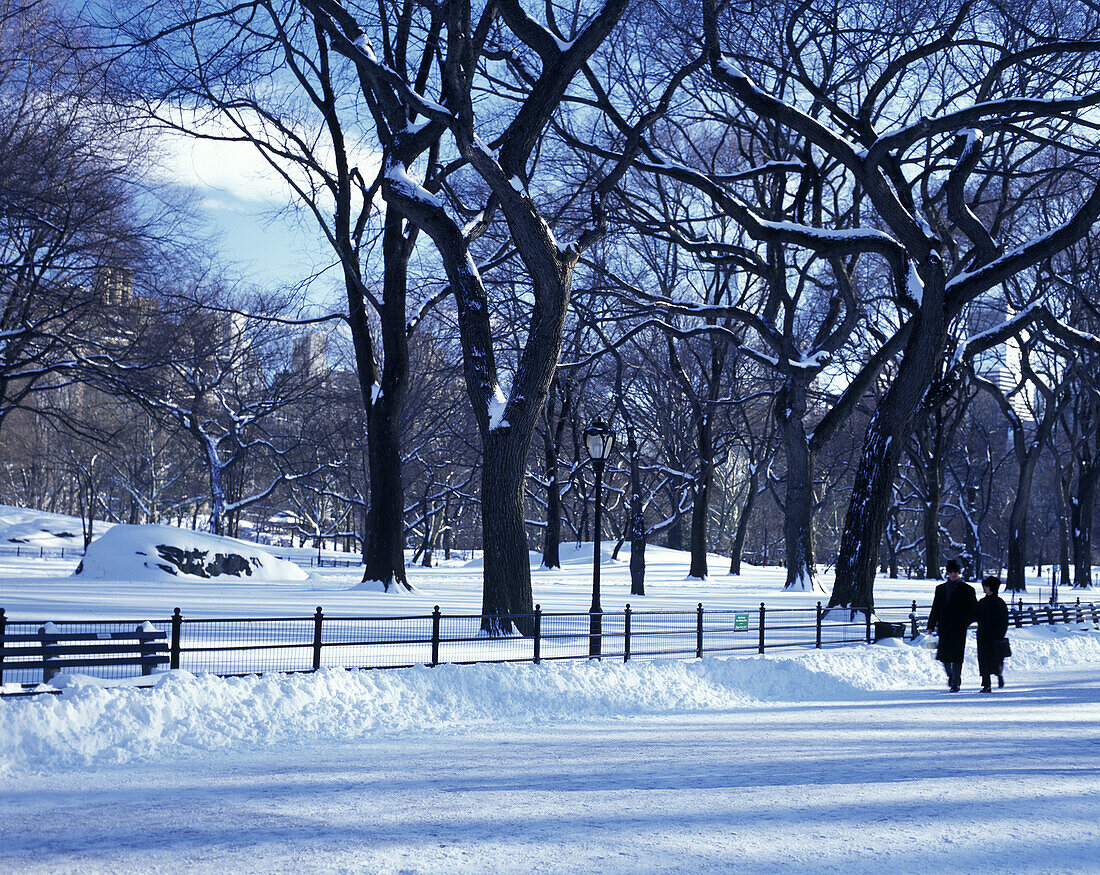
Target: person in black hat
(992,627)
(954,608)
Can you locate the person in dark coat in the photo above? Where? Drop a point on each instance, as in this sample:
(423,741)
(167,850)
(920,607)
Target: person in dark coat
(992,627)
(954,608)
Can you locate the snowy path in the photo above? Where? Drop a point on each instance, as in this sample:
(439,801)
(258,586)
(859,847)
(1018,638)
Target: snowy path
(910,780)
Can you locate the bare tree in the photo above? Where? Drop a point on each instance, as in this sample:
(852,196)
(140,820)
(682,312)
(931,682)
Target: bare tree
(74,223)
(500,154)
(913,165)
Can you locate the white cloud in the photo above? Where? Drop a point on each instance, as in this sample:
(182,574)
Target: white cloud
(237,170)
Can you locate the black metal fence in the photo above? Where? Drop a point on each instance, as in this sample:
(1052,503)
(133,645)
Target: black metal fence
(33,552)
(314,561)
(230,647)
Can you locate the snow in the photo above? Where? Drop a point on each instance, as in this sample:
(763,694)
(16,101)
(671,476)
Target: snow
(849,760)
(89,723)
(805,582)
(165,553)
(914,285)
(34,528)
(497,404)
(853,759)
(363,43)
(815,360)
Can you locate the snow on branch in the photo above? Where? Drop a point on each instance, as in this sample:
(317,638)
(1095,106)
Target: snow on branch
(993,114)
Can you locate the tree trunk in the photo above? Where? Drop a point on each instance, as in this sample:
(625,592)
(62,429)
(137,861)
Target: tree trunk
(637,518)
(1084,502)
(425,551)
(507,576)
(87,516)
(700,505)
(891,537)
(1063,570)
(878,463)
(216,473)
(551,543)
(866,517)
(384,553)
(933,490)
(674,540)
(384,545)
(738,545)
(972,539)
(1017,525)
(798,513)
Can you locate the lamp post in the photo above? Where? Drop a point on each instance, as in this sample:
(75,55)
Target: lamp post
(598,440)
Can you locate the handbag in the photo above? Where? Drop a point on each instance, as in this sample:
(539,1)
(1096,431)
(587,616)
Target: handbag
(1004,649)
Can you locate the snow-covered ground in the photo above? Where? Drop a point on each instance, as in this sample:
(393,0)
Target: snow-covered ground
(853,760)
(847,760)
(42,589)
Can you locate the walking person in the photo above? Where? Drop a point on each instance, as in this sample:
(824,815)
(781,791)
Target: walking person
(992,628)
(954,608)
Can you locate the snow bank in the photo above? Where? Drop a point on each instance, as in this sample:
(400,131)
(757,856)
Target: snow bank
(37,529)
(89,723)
(164,553)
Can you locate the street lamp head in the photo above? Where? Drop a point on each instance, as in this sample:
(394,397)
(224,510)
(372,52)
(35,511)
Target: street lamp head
(599,440)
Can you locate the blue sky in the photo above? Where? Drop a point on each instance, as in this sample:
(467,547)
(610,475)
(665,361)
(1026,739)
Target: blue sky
(245,205)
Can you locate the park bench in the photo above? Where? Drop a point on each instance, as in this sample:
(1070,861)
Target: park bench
(51,650)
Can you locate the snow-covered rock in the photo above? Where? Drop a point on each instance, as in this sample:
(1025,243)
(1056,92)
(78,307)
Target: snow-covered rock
(165,553)
(19,527)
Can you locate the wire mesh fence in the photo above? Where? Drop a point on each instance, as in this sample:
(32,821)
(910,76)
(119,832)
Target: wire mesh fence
(33,552)
(22,644)
(257,645)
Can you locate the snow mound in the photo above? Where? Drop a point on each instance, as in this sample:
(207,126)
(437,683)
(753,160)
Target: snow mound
(161,554)
(89,723)
(35,529)
(533,559)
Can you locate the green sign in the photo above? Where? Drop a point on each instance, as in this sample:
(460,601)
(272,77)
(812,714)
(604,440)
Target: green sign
(740,622)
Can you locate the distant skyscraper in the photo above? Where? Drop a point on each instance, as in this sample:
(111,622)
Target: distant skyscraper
(1001,365)
(115,286)
(310,354)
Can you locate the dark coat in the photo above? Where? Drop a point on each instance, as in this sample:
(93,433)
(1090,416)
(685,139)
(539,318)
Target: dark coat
(951,617)
(992,627)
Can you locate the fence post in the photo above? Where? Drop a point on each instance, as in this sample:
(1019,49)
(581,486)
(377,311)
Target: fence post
(317,618)
(761,645)
(626,633)
(817,641)
(145,648)
(174,653)
(868,624)
(49,654)
(699,631)
(1080,616)
(913,620)
(3,625)
(537,658)
(435,635)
